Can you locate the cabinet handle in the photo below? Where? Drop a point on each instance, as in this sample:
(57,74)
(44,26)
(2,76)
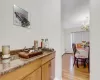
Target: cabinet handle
(49,64)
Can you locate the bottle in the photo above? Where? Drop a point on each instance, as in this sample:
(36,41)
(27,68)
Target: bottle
(42,43)
(35,45)
(46,43)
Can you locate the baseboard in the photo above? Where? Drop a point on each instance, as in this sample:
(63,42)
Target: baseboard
(51,78)
(67,53)
(57,79)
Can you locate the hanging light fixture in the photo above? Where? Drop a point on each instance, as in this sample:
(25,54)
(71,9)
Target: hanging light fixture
(85,25)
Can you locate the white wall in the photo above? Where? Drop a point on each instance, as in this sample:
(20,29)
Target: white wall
(15,36)
(94,39)
(67,38)
(51,28)
(63,41)
(45,23)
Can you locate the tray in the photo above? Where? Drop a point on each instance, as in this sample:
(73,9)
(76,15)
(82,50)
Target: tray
(29,55)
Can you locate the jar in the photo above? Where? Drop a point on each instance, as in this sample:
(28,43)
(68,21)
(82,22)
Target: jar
(35,45)
(5,51)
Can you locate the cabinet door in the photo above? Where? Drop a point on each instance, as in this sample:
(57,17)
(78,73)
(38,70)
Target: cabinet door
(52,76)
(46,71)
(36,75)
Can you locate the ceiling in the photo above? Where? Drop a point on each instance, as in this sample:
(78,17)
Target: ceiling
(74,12)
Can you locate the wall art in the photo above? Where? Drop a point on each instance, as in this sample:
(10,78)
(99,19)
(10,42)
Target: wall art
(20,17)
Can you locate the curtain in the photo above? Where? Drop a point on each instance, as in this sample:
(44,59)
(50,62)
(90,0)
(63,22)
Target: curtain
(78,37)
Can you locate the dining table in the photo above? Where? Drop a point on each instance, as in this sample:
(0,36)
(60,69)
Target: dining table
(83,54)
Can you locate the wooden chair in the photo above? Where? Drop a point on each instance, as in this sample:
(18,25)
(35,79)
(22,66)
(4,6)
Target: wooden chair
(88,60)
(78,59)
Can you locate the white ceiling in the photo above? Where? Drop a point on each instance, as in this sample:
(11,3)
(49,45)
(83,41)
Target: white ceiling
(74,12)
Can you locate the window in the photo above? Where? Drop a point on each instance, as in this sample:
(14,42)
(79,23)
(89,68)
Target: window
(78,37)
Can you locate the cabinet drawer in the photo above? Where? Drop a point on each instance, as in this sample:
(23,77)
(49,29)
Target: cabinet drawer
(20,73)
(47,58)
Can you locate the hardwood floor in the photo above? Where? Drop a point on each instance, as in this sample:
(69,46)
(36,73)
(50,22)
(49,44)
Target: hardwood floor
(73,73)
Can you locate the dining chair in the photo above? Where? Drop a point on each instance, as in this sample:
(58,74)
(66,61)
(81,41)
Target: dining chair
(78,58)
(88,60)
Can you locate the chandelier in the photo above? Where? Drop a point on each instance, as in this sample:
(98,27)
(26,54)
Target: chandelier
(85,25)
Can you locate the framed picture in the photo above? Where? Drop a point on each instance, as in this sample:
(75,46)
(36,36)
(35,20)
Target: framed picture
(20,17)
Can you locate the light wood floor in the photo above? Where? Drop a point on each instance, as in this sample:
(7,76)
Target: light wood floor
(73,73)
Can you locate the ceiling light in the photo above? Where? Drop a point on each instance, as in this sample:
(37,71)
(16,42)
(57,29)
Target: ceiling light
(85,25)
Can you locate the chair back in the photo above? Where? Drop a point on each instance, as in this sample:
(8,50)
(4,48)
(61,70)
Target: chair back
(89,59)
(74,48)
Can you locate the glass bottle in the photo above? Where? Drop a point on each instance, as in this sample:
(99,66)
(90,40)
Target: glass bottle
(42,43)
(46,43)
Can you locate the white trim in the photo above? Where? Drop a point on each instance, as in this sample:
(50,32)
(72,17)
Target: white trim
(57,79)
(51,78)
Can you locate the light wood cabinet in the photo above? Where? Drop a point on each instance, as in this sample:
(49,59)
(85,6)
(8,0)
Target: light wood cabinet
(46,71)
(36,75)
(20,73)
(40,69)
(52,75)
